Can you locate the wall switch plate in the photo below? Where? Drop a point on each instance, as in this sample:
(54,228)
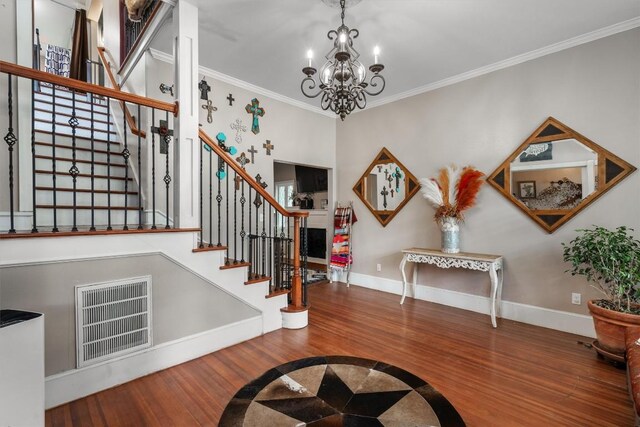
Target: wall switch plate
(378,267)
(576,298)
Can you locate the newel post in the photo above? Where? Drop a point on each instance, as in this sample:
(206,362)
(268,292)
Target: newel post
(296,282)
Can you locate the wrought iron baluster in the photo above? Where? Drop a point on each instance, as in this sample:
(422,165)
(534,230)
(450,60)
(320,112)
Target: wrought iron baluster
(219,201)
(264,237)
(305,251)
(11,140)
(201,244)
(153,170)
(210,198)
(54,176)
(74,171)
(139,175)
(125,155)
(34,229)
(226,169)
(243,200)
(289,258)
(270,263)
(256,258)
(250,254)
(93,204)
(167,176)
(109,228)
(235,217)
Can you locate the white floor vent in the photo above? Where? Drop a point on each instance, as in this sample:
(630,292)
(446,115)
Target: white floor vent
(112,319)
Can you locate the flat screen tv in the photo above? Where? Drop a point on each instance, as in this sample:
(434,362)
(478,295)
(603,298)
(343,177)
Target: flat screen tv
(311,180)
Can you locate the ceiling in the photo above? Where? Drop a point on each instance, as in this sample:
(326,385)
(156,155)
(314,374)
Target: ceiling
(422,41)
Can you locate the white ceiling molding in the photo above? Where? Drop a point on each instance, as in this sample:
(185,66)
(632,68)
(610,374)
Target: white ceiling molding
(165,57)
(519,59)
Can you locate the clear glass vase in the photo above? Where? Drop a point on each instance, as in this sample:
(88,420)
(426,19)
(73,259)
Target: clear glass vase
(450,229)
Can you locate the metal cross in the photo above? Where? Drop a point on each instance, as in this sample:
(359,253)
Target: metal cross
(379,168)
(397,175)
(243,160)
(238,127)
(210,109)
(204,90)
(384,194)
(258,200)
(230,98)
(238,181)
(268,146)
(390,179)
(261,182)
(256,111)
(253,151)
(165,133)
(392,193)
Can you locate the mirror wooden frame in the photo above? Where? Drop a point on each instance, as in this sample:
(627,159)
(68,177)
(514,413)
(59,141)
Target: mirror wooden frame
(411,187)
(611,170)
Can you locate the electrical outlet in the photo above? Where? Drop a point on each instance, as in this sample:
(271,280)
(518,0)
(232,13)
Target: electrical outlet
(378,267)
(576,298)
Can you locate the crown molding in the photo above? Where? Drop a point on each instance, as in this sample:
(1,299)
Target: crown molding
(519,59)
(165,57)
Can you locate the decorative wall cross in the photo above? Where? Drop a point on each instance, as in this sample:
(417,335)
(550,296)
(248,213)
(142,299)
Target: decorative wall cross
(390,179)
(243,160)
(392,193)
(210,109)
(165,135)
(204,88)
(253,151)
(230,98)
(268,146)
(397,175)
(256,111)
(386,174)
(166,88)
(384,194)
(238,181)
(379,168)
(258,200)
(261,182)
(238,127)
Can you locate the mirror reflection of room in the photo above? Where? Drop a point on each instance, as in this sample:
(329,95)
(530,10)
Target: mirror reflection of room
(385,186)
(555,175)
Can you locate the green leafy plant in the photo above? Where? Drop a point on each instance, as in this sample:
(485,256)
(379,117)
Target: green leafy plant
(611,261)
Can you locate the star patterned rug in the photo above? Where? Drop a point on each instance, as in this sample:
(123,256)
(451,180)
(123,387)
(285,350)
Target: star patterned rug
(339,391)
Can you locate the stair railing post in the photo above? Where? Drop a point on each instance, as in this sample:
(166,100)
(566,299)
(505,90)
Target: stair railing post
(296,282)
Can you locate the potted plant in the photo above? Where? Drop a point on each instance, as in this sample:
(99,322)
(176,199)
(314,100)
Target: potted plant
(610,260)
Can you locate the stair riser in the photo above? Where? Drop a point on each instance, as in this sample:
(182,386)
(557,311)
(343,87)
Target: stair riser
(84,111)
(67,140)
(65,181)
(65,165)
(83,199)
(64,97)
(65,129)
(83,219)
(86,122)
(62,152)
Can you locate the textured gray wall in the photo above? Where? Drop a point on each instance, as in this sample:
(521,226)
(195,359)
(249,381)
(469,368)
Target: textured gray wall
(593,88)
(183,303)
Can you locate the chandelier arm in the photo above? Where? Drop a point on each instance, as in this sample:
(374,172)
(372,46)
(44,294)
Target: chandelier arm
(332,35)
(359,97)
(311,85)
(356,33)
(374,83)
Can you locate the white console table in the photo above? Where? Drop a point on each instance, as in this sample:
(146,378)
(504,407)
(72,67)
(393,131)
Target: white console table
(479,262)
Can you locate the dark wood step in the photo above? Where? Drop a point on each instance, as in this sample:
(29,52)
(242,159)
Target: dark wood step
(88,190)
(210,249)
(117,154)
(79,117)
(255,280)
(85,175)
(98,232)
(84,207)
(229,263)
(66,159)
(85,138)
(278,293)
(64,124)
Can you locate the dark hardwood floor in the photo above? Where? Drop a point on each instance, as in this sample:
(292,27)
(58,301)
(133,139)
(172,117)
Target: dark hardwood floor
(515,375)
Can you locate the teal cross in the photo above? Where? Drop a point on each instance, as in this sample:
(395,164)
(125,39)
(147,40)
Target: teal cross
(397,175)
(257,111)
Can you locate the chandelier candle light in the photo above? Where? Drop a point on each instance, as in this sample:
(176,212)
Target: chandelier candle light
(343,79)
(451,194)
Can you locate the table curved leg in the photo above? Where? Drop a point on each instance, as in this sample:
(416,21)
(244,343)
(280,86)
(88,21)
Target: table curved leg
(494,290)
(404,278)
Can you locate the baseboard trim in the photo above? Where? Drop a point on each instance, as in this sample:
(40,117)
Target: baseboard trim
(579,324)
(22,221)
(71,385)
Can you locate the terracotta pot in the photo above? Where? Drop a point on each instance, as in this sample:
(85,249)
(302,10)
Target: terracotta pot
(610,326)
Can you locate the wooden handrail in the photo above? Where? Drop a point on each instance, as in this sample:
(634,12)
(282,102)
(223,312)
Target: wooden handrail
(30,73)
(252,182)
(127,114)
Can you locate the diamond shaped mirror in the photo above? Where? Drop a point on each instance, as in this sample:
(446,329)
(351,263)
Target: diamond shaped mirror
(386,186)
(556,173)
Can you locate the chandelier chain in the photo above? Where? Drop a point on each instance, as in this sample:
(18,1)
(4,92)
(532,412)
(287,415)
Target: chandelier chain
(342,6)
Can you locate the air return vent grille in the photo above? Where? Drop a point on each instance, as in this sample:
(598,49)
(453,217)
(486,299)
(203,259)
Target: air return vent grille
(112,319)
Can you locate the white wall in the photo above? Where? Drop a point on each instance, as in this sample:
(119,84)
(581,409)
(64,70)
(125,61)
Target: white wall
(55,22)
(593,88)
(7,53)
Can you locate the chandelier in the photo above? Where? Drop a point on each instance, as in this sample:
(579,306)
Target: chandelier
(342,80)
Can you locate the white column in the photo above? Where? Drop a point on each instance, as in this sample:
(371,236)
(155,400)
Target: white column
(186,142)
(22,108)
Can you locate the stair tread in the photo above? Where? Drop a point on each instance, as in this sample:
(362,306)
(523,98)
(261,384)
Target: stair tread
(210,248)
(84,175)
(278,293)
(68,147)
(86,190)
(86,232)
(77,107)
(84,207)
(257,280)
(86,138)
(58,113)
(238,264)
(67,159)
